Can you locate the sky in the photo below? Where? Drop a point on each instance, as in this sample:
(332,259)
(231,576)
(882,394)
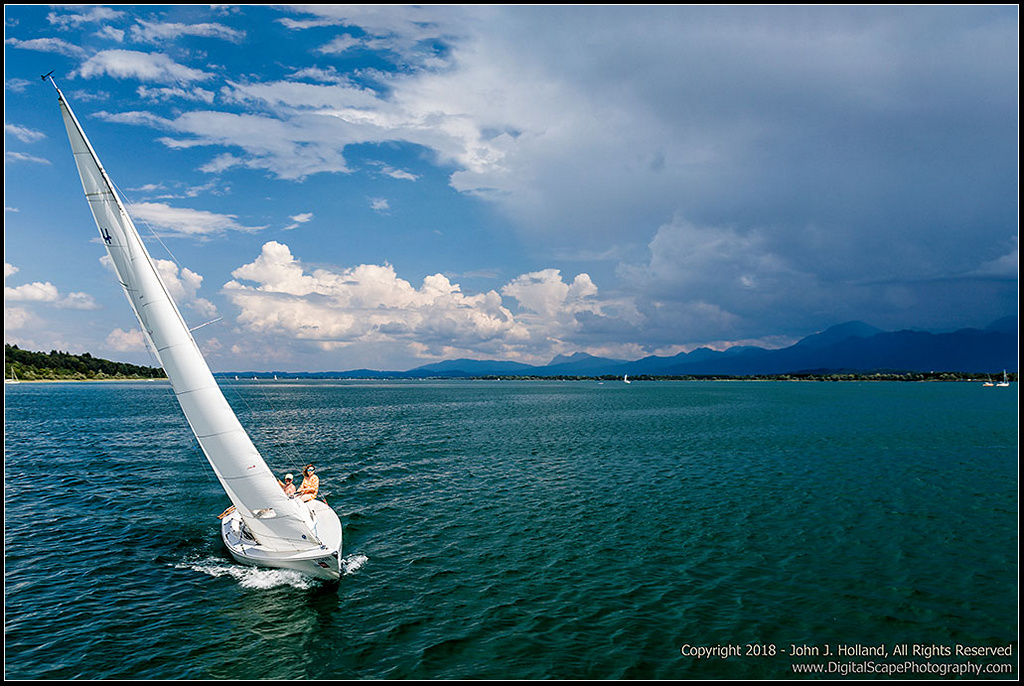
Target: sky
(345,187)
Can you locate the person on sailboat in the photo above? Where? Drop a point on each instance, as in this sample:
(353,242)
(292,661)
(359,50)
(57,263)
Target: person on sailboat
(310,483)
(288,485)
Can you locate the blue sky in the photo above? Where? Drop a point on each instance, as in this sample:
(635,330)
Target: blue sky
(387,186)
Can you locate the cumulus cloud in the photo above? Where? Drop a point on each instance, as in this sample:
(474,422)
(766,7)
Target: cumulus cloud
(751,171)
(126,341)
(182,284)
(46,292)
(587,150)
(366,304)
(16,318)
(372,305)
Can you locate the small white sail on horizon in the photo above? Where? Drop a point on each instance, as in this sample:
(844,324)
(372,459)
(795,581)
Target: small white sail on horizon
(267,527)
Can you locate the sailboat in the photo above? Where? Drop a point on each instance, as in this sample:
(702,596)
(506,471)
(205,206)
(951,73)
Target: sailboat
(625,378)
(1005,382)
(264,527)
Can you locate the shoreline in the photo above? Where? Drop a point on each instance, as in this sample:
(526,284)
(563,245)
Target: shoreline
(918,377)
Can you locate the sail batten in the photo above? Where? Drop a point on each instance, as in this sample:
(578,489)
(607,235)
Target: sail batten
(239,467)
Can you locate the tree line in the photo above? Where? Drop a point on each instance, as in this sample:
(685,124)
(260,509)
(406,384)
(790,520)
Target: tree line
(26,365)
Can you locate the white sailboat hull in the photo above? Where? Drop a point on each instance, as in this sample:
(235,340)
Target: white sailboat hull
(321,561)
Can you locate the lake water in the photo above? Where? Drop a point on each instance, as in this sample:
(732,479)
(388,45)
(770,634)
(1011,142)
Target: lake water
(523,530)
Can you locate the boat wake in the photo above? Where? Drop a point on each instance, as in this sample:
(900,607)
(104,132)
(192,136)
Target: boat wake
(351,563)
(248,577)
(264,577)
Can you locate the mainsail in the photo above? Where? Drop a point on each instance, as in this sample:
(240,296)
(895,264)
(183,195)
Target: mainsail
(278,522)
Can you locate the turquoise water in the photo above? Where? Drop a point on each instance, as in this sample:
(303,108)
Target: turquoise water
(518,530)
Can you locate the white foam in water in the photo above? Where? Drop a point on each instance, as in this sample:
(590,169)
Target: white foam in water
(249,577)
(262,577)
(352,563)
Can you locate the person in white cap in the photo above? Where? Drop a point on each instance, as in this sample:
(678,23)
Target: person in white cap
(288,486)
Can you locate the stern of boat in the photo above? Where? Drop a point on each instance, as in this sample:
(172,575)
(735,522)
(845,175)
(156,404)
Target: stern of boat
(320,561)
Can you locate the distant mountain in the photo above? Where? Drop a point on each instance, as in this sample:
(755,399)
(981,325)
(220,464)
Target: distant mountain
(851,347)
(464,367)
(579,364)
(847,347)
(838,334)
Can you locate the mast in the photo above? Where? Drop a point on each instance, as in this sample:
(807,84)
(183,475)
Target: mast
(278,522)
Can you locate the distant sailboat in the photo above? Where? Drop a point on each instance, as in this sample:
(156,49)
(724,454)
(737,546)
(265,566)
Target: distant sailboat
(625,378)
(13,379)
(1004,383)
(264,527)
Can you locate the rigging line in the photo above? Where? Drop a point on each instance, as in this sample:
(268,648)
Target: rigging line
(129,203)
(252,410)
(287,448)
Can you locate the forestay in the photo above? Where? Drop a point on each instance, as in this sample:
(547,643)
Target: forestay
(278,522)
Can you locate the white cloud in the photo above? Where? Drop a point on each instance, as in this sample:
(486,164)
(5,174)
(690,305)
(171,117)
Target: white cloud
(182,221)
(369,307)
(23,133)
(183,285)
(131,64)
(545,293)
(82,15)
(16,318)
(126,341)
(46,292)
(54,45)
(299,219)
(78,301)
(176,93)
(407,32)
(166,31)
(366,304)
(10,156)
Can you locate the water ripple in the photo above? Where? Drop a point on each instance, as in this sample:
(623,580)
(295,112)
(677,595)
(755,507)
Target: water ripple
(513,530)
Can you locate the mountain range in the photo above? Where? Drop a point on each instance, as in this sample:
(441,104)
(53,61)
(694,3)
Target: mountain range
(852,347)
